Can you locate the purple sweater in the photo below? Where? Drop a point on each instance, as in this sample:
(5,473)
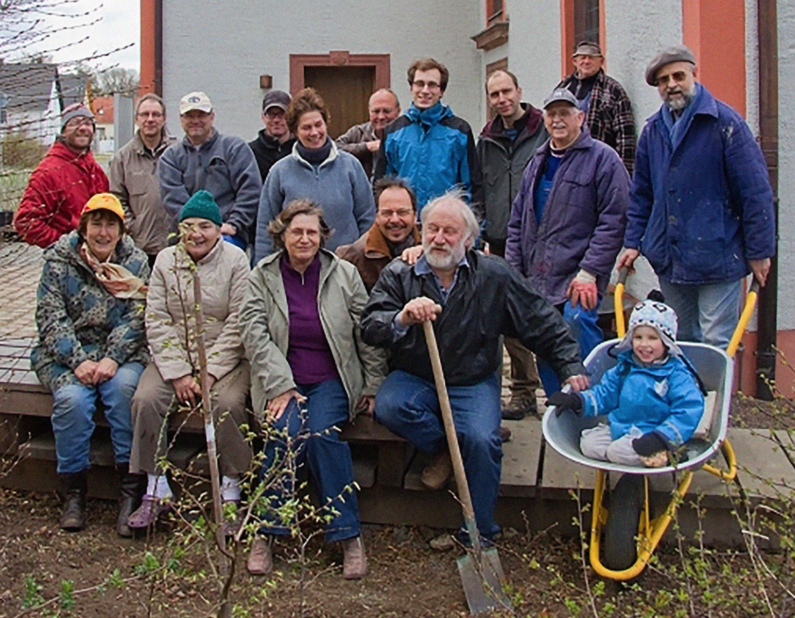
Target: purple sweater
(309,354)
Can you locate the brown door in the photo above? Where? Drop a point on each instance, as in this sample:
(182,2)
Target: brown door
(346,91)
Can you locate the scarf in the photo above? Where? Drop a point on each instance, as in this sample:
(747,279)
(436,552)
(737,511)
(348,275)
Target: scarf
(314,156)
(677,126)
(117,280)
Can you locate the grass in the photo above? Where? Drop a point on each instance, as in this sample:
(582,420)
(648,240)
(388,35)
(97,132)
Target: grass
(12,185)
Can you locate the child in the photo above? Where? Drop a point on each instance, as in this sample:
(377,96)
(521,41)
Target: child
(651,397)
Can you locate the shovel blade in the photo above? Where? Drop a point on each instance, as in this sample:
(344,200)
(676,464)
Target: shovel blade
(483,581)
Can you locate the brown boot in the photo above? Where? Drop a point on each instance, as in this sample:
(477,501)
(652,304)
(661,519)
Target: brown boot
(354,562)
(436,473)
(260,558)
(74,487)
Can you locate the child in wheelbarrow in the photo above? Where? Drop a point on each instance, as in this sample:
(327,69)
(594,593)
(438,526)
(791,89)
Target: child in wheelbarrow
(651,398)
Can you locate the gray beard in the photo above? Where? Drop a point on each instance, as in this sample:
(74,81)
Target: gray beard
(677,105)
(448,262)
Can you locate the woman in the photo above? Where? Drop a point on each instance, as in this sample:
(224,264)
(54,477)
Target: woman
(173,377)
(300,326)
(317,171)
(89,314)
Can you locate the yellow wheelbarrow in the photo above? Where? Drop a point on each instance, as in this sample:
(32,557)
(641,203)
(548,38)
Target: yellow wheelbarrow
(630,532)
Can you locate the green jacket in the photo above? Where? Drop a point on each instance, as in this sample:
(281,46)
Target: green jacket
(264,325)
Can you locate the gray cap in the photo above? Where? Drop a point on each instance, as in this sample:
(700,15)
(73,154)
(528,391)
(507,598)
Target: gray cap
(75,110)
(675,53)
(587,48)
(276,98)
(561,94)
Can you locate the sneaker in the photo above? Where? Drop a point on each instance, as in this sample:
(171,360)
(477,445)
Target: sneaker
(519,408)
(354,562)
(436,474)
(147,514)
(260,558)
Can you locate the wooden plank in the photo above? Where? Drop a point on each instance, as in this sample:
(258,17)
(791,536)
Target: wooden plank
(391,463)
(25,403)
(520,458)
(559,473)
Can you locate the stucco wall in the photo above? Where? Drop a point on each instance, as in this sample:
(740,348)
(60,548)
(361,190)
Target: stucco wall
(222,50)
(786,164)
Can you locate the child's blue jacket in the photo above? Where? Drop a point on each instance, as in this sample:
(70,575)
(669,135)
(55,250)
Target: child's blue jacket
(664,398)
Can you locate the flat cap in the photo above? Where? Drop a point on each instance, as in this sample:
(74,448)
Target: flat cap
(675,53)
(587,48)
(560,94)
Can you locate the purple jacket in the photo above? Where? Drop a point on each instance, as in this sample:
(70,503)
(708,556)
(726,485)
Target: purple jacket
(583,222)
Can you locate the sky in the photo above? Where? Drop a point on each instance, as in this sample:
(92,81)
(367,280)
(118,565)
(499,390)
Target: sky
(120,25)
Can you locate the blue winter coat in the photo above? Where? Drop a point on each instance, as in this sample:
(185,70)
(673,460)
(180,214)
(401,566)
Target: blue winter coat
(339,185)
(663,398)
(701,208)
(434,150)
(583,222)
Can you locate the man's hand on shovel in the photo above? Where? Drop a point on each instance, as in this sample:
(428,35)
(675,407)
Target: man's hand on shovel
(418,310)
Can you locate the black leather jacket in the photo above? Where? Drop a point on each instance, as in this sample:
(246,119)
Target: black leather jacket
(489,299)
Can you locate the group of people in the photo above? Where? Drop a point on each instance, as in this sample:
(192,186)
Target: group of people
(356,242)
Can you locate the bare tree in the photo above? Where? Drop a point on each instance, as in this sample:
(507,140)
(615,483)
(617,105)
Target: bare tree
(120,80)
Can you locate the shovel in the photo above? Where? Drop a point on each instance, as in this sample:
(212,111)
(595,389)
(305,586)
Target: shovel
(480,569)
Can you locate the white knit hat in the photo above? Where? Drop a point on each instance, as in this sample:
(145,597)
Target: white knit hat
(660,317)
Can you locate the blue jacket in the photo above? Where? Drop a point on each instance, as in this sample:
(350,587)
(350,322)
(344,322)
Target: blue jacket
(701,208)
(583,222)
(225,166)
(434,150)
(663,398)
(339,185)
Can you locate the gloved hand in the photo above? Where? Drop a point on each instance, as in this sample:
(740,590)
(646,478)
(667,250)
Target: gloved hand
(649,444)
(565,401)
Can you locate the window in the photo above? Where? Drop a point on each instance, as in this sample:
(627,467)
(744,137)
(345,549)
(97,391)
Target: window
(495,11)
(586,21)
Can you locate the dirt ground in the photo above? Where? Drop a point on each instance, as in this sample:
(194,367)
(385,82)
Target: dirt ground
(162,577)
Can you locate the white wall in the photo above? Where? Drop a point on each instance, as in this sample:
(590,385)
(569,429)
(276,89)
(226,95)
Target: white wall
(223,48)
(786,163)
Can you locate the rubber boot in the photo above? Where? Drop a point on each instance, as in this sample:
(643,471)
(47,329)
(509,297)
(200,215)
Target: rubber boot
(74,488)
(132,487)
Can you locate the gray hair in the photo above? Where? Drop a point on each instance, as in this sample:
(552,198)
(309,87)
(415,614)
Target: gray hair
(454,197)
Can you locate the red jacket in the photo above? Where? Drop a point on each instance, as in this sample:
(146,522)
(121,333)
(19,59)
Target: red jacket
(57,191)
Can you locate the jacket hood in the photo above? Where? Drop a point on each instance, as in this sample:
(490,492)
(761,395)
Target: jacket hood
(431,116)
(532,119)
(65,249)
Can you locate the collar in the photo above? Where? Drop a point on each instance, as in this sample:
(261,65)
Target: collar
(331,156)
(431,116)
(140,147)
(271,142)
(210,141)
(376,245)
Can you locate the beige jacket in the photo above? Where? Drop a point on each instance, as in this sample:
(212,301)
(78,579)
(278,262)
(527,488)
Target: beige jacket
(224,275)
(133,179)
(264,325)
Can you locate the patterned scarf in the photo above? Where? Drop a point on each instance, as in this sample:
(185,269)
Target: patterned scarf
(119,281)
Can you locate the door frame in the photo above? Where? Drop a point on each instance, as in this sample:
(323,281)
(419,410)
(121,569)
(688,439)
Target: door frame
(340,58)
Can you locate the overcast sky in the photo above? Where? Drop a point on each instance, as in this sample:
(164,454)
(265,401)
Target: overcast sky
(120,25)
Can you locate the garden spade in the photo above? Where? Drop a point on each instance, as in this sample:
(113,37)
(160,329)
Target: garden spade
(480,569)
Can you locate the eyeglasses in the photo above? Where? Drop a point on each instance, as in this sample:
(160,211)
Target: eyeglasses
(79,122)
(388,214)
(150,114)
(421,85)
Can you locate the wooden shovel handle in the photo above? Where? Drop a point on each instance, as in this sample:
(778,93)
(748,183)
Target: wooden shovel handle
(449,423)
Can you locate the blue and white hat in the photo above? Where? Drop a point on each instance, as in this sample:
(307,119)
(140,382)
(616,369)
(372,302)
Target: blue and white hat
(660,317)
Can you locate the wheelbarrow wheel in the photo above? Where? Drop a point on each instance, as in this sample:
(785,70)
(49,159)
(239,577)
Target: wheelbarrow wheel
(621,530)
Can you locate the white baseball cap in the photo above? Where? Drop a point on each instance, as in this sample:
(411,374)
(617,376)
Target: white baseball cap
(195,100)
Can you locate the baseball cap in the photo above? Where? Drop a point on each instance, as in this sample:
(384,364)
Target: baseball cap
(560,94)
(104,201)
(276,98)
(195,100)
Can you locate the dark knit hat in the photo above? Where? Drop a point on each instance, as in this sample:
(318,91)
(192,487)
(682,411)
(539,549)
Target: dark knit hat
(201,206)
(76,110)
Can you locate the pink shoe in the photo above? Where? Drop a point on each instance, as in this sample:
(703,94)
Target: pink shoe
(146,515)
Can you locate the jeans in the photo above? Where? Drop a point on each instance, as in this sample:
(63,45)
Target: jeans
(73,418)
(706,313)
(408,406)
(583,326)
(314,440)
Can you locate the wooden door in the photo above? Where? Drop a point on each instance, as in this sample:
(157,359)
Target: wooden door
(346,91)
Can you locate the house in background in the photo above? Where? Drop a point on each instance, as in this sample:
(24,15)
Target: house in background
(347,50)
(102,108)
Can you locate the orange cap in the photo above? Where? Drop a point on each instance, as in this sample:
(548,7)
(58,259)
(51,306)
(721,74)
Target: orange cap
(104,201)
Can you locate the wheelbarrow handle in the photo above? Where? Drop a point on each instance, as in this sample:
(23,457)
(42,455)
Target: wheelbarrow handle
(452,439)
(745,316)
(618,301)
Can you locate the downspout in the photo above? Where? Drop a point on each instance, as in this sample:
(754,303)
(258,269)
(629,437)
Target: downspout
(767,37)
(159,47)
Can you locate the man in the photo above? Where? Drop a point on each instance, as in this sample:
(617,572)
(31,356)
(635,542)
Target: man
(506,146)
(429,145)
(62,183)
(608,110)
(568,222)
(364,140)
(222,164)
(394,231)
(472,299)
(275,141)
(701,208)
(133,177)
